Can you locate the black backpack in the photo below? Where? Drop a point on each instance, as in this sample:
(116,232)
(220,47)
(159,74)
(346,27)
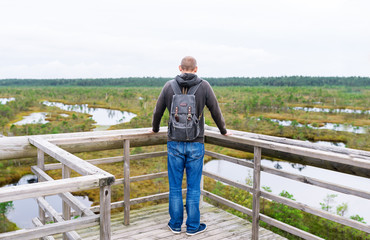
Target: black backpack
(184,124)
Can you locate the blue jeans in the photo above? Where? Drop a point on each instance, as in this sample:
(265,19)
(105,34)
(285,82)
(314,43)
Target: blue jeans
(181,156)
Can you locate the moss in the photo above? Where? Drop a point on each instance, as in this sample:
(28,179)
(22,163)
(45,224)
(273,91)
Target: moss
(11,172)
(6,225)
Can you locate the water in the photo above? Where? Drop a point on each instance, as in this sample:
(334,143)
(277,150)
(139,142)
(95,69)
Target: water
(329,126)
(25,210)
(36,117)
(344,127)
(335,110)
(5,100)
(307,194)
(102,116)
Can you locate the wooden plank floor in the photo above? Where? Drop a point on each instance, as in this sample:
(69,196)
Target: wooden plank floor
(151,223)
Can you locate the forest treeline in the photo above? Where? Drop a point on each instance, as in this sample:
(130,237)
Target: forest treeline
(228,81)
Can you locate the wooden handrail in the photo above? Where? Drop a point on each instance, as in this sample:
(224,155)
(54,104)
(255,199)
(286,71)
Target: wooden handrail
(50,229)
(297,150)
(49,188)
(299,143)
(19,147)
(358,165)
(70,160)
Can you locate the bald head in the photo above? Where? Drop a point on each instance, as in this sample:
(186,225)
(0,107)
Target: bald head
(188,64)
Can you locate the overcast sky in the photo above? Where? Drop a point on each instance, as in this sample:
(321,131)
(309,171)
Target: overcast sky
(93,39)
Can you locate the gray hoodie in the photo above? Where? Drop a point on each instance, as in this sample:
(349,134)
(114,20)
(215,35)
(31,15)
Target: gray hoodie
(203,97)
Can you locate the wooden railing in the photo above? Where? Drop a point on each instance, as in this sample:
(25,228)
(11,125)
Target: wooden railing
(358,161)
(92,177)
(343,160)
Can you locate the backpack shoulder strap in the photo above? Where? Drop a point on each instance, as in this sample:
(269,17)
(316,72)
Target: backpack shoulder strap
(194,88)
(175,87)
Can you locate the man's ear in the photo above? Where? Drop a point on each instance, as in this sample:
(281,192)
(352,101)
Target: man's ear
(180,68)
(195,70)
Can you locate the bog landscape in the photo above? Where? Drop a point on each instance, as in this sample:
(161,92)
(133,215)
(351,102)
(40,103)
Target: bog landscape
(328,111)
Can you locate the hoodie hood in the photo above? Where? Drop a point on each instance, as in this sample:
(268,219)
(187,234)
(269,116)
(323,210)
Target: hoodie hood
(187,80)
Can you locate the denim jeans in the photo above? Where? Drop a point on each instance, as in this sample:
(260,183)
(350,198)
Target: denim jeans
(184,156)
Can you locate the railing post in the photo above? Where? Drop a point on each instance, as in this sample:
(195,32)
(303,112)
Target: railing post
(126,183)
(66,173)
(105,207)
(41,165)
(257,192)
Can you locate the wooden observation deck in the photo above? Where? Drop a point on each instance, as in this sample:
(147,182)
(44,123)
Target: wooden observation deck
(98,223)
(151,223)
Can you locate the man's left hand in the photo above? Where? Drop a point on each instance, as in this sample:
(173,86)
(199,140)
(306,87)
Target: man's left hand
(228,133)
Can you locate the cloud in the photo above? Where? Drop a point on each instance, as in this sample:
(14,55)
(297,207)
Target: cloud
(57,69)
(145,38)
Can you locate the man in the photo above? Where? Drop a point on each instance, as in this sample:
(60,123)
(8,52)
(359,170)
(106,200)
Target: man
(187,154)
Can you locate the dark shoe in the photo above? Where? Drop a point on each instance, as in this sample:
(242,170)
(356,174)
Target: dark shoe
(174,230)
(202,227)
